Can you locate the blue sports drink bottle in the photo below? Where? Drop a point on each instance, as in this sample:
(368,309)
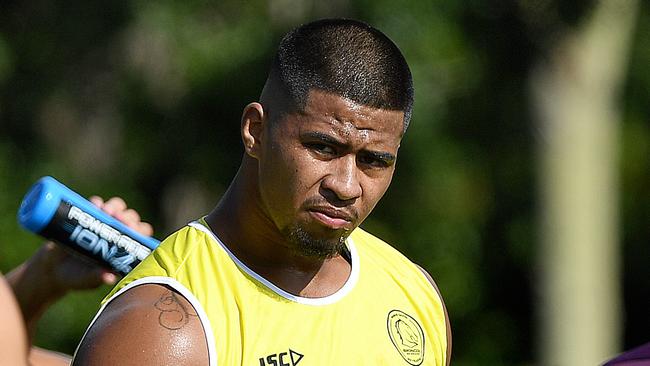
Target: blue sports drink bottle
(55,212)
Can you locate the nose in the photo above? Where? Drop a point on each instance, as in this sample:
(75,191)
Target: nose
(342,183)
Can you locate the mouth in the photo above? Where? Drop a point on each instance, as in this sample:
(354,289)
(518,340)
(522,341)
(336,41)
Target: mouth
(332,218)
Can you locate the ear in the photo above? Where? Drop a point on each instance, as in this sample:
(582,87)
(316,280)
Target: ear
(252,123)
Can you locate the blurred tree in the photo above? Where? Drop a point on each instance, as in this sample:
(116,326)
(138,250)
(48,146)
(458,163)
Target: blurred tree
(576,97)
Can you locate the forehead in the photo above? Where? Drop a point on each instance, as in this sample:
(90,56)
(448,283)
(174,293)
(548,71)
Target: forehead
(349,119)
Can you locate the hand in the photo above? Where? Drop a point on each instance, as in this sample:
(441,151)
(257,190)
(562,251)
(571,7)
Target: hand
(117,208)
(51,272)
(69,271)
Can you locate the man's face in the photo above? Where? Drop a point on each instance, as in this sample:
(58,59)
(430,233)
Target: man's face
(323,170)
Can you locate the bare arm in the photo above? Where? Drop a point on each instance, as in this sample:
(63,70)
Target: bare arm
(35,282)
(428,276)
(13,337)
(34,294)
(47,276)
(43,357)
(147,325)
(52,271)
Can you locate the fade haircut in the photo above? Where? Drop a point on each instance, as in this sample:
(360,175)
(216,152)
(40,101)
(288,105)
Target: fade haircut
(348,58)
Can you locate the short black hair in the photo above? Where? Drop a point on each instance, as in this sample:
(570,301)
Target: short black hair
(345,57)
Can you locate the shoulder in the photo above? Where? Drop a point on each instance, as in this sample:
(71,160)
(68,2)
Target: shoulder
(444,307)
(385,257)
(188,242)
(146,325)
(182,242)
(175,253)
(368,242)
(390,259)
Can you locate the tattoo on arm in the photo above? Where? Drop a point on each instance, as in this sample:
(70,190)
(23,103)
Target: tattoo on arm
(173,313)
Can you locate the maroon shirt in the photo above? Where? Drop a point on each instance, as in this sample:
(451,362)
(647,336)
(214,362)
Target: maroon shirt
(639,356)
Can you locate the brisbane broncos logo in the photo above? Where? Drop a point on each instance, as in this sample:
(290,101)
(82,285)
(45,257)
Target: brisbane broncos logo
(407,336)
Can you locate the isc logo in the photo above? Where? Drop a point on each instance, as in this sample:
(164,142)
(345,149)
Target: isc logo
(290,358)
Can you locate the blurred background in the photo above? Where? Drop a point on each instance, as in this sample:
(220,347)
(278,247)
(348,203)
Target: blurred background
(522,183)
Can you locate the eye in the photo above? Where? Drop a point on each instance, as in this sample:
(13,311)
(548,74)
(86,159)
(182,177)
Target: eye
(372,161)
(320,148)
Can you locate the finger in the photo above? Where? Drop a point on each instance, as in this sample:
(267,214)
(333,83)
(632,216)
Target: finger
(145,228)
(114,205)
(97,201)
(130,217)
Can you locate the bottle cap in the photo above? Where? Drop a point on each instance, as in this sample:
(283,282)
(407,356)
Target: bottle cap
(39,204)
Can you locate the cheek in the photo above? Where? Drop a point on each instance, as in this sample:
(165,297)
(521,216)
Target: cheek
(286,178)
(272,181)
(307,181)
(305,170)
(374,190)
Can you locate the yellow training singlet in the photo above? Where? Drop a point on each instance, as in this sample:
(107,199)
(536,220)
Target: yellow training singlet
(387,313)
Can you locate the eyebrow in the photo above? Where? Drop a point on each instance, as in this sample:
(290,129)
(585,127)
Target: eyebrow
(380,155)
(324,138)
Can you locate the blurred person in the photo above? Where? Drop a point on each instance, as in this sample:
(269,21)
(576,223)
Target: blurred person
(279,273)
(44,278)
(13,335)
(639,356)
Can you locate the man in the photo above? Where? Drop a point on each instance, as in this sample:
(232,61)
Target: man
(279,272)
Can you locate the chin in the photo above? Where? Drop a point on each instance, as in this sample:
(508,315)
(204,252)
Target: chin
(312,245)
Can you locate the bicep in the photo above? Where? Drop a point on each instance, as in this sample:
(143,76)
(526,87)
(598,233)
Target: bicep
(147,325)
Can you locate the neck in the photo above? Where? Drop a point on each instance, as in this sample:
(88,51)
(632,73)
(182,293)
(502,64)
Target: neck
(240,222)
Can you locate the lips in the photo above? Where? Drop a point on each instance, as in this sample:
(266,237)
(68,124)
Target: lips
(332,217)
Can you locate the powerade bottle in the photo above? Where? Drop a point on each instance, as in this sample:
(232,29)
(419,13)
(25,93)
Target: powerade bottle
(55,212)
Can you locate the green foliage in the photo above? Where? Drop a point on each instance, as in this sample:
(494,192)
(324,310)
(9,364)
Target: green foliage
(5,61)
